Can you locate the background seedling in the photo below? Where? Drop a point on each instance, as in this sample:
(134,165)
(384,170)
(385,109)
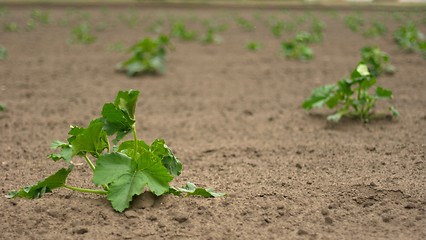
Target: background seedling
(3,53)
(117,47)
(40,16)
(211,36)
(297,50)
(2,108)
(410,39)
(254,46)
(376,30)
(180,31)
(30,25)
(148,56)
(245,24)
(122,171)
(82,34)
(350,96)
(354,22)
(11,27)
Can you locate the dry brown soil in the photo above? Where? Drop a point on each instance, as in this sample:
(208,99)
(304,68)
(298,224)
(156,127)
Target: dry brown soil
(233,117)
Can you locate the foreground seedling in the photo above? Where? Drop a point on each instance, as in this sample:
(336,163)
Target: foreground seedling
(148,56)
(123,170)
(350,96)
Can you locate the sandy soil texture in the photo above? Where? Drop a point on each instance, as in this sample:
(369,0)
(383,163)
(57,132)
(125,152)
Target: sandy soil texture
(234,119)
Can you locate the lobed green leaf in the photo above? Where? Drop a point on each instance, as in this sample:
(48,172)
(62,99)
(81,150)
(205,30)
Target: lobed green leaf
(52,182)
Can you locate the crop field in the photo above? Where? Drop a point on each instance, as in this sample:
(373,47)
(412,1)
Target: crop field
(197,122)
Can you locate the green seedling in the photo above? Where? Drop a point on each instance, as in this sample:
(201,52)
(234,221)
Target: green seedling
(101,26)
(254,46)
(2,108)
(30,25)
(3,53)
(82,34)
(354,22)
(409,38)
(40,16)
(297,50)
(156,27)
(317,30)
(131,19)
(245,24)
(277,28)
(148,56)
(122,171)
(180,31)
(11,27)
(350,96)
(376,30)
(377,61)
(117,47)
(3,11)
(211,36)
(306,37)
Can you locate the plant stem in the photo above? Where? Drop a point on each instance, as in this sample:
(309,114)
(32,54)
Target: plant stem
(135,137)
(89,162)
(85,190)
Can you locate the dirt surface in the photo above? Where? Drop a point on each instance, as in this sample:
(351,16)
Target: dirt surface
(233,117)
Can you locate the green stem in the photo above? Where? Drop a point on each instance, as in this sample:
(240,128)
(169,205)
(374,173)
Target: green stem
(89,162)
(135,137)
(85,190)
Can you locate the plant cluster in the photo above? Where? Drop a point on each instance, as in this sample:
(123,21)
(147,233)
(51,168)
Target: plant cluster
(409,38)
(350,96)
(148,56)
(124,170)
(82,34)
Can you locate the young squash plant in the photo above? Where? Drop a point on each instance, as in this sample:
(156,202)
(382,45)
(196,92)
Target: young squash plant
(296,49)
(148,56)
(350,96)
(121,171)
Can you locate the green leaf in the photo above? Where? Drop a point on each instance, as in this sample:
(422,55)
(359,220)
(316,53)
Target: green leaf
(383,93)
(128,148)
(56,180)
(66,151)
(191,189)
(92,139)
(159,149)
(173,165)
(128,176)
(119,117)
(319,97)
